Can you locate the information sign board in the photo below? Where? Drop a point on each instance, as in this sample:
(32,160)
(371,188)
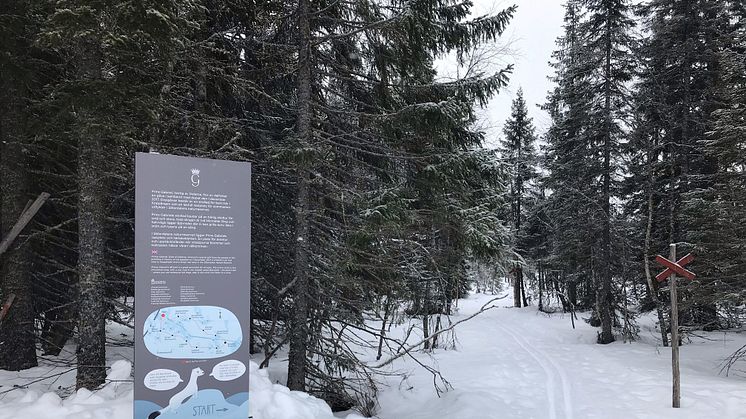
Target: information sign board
(192,285)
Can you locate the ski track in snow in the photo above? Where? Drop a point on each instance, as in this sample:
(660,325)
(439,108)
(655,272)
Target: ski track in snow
(520,364)
(550,385)
(549,366)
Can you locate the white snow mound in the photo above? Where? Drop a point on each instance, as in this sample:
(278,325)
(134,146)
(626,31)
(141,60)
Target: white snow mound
(114,400)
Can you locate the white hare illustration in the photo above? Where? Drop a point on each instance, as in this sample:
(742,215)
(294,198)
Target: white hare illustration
(178,399)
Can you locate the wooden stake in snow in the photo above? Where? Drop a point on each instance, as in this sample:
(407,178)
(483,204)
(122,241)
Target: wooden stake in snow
(673,268)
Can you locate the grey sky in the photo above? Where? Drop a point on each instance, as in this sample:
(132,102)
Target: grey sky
(527,44)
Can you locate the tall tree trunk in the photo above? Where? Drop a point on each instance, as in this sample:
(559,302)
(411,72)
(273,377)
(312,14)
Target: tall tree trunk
(572,290)
(426,330)
(91,265)
(382,336)
(17,338)
(523,287)
(516,278)
(604,301)
(646,257)
(427,307)
(299,327)
(541,284)
(91,350)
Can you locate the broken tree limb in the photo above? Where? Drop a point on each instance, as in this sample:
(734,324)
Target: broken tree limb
(23,220)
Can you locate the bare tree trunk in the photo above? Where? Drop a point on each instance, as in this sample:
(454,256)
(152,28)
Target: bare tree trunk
(270,335)
(427,309)
(516,289)
(523,287)
(91,350)
(436,332)
(562,298)
(17,338)
(572,291)
(426,330)
(646,257)
(297,368)
(382,336)
(541,284)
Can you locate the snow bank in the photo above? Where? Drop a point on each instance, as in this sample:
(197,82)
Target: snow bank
(114,400)
(519,363)
(274,401)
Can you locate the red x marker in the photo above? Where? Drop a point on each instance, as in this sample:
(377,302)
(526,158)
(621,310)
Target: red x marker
(675,267)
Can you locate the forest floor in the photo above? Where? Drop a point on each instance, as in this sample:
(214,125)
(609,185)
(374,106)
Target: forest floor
(520,363)
(505,363)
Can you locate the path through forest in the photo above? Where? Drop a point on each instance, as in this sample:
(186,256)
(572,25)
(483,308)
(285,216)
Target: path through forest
(519,363)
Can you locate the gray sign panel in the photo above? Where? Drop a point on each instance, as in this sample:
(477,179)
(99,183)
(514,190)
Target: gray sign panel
(192,284)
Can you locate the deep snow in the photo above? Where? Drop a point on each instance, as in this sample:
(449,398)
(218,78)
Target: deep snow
(114,401)
(508,363)
(520,363)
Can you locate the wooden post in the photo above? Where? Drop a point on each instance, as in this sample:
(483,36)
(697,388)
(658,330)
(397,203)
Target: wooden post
(675,335)
(673,267)
(24,219)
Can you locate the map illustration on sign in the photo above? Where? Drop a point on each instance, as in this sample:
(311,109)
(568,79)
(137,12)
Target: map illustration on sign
(192,332)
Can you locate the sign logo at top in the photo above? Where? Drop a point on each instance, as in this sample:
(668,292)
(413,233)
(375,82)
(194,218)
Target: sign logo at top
(195,177)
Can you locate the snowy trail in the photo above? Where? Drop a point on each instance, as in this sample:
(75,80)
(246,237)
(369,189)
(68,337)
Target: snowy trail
(550,383)
(543,358)
(518,363)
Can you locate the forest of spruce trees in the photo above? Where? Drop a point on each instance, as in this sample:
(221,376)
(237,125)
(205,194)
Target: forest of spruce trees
(372,195)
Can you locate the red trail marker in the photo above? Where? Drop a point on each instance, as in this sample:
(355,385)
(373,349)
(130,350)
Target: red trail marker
(675,267)
(672,270)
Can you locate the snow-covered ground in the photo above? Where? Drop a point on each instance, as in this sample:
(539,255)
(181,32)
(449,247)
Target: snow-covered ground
(508,363)
(114,401)
(520,363)
(39,397)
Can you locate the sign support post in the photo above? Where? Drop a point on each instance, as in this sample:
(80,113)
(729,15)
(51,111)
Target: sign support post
(674,267)
(675,336)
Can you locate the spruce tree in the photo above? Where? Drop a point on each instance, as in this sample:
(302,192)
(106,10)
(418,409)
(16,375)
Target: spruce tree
(22,72)
(371,119)
(684,72)
(715,209)
(608,47)
(589,120)
(569,165)
(117,54)
(519,153)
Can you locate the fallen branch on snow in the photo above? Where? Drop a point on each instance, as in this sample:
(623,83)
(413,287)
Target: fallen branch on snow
(406,351)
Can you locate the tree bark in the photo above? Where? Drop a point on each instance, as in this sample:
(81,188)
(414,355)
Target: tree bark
(426,330)
(382,336)
(523,287)
(541,283)
(91,350)
(17,338)
(648,237)
(516,211)
(297,368)
(604,301)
